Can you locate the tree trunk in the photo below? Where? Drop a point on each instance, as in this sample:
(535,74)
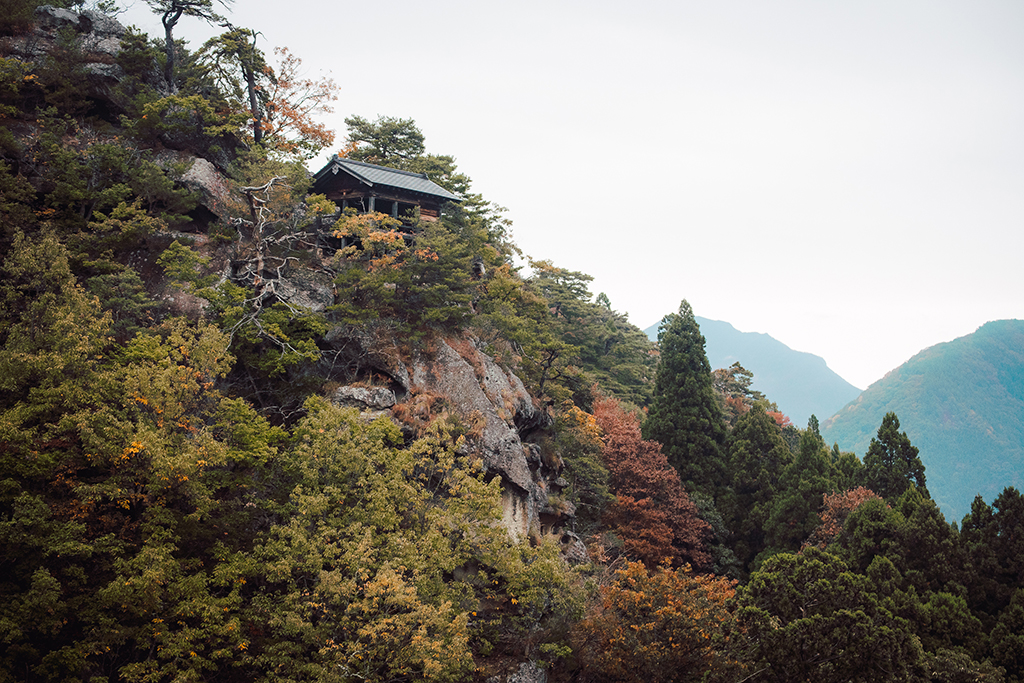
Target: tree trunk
(169,20)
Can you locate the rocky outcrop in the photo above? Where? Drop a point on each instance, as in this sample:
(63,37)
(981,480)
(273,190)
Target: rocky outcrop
(97,39)
(209,187)
(477,386)
(365,351)
(364,398)
(306,288)
(488,397)
(527,672)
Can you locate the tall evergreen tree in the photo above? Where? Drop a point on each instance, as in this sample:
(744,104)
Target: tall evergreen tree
(684,415)
(891,464)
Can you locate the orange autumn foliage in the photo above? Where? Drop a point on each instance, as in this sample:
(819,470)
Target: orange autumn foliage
(655,625)
(780,419)
(293,102)
(835,509)
(654,518)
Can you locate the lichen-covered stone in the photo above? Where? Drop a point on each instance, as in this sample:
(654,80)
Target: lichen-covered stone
(307,289)
(375,398)
(528,672)
(210,188)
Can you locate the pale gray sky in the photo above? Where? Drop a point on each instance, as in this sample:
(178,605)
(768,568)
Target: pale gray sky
(845,176)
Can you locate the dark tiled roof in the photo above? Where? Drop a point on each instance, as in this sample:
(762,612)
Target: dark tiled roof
(374,175)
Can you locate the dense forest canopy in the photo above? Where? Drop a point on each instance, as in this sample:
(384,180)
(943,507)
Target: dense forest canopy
(184,497)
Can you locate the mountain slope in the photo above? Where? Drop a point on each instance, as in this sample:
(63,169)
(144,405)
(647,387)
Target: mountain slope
(800,383)
(962,404)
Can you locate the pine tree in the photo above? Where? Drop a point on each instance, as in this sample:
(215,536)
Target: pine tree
(684,415)
(891,463)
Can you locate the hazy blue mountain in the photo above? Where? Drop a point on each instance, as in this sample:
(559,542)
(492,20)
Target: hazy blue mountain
(800,383)
(962,404)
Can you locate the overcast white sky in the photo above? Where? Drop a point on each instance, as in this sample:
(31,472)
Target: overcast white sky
(847,177)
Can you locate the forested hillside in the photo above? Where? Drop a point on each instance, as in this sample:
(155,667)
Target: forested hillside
(247,435)
(963,405)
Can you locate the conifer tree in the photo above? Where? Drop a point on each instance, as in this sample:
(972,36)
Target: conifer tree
(891,463)
(684,415)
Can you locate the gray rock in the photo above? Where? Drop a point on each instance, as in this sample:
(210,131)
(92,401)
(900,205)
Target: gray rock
(97,38)
(528,672)
(377,398)
(206,183)
(573,549)
(314,291)
(478,388)
(489,398)
(492,397)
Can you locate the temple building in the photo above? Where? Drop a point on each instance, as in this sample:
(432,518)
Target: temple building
(367,187)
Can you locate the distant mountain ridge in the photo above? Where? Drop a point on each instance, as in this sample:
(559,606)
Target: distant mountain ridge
(962,404)
(800,383)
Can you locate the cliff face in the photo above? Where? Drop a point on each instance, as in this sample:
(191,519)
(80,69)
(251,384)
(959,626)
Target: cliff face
(97,38)
(490,399)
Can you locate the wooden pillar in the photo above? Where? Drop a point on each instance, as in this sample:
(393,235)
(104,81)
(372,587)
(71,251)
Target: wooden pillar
(370,208)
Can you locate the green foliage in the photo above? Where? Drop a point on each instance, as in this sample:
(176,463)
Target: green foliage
(185,117)
(891,464)
(684,415)
(16,16)
(357,576)
(578,443)
(807,617)
(424,283)
(913,536)
(241,73)
(53,333)
(757,459)
(804,482)
(16,196)
(993,544)
(183,265)
(601,343)
(1008,638)
(102,188)
(384,141)
(124,296)
(14,76)
(63,77)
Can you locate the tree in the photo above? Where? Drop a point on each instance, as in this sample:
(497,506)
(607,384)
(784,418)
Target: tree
(837,507)
(892,464)
(384,141)
(1007,638)
(995,551)
(757,458)
(241,72)
(653,516)
(280,103)
(684,415)
(732,387)
(804,482)
(292,104)
(170,12)
(654,625)
(806,617)
(578,442)
(358,579)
